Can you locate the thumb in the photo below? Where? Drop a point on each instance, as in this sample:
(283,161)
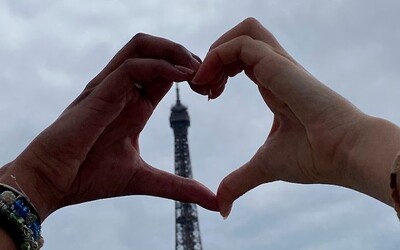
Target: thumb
(239,182)
(155,182)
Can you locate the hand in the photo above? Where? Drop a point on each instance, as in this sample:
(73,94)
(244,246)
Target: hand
(92,150)
(317,136)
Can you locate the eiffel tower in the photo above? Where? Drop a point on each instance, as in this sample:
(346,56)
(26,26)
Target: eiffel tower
(187,231)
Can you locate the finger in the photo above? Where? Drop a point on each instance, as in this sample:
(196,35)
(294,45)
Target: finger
(212,91)
(249,27)
(253,28)
(242,50)
(233,69)
(218,84)
(89,118)
(238,183)
(305,96)
(154,76)
(200,89)
(197,58)
(147,46)
(216,90)
(155,182)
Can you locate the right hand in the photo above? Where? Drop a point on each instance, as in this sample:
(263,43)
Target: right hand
(317,136)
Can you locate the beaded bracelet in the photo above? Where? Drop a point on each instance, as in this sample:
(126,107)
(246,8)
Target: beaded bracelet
(20,219)
(393,185)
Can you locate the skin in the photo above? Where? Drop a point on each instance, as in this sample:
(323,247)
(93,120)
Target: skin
(92,150)
(317,136)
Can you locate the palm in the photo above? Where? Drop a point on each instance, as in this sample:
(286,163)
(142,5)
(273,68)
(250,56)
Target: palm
(288,151)
(305,152)
(114,159)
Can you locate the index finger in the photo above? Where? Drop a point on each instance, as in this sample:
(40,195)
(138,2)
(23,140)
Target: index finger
(147,46)
(249,27)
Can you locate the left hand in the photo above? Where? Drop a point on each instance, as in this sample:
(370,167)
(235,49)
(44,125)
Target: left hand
(92,150)
(317,136)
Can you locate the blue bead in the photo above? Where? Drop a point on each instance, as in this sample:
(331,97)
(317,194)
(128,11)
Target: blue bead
(35,227)
(18,204)
(20,208)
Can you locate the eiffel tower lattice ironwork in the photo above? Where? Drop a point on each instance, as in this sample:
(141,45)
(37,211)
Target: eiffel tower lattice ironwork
(187,230)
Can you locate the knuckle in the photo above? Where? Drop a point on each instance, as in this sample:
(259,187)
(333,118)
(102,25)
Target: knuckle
(251,22)
(176,53)
(137,41)
(244,39)
(126,67)
(252,25)
(175,49)
(178,47)
(139,36)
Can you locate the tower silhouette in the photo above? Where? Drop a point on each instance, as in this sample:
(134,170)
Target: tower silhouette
(187,230)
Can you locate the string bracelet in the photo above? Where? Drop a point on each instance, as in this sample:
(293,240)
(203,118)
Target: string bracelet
(19,218)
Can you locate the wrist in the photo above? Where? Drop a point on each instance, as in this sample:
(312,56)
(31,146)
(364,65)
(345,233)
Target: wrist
(25,181)
(6,241)
(371,158)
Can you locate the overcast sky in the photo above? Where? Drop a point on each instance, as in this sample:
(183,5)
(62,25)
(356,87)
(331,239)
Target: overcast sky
(49,50)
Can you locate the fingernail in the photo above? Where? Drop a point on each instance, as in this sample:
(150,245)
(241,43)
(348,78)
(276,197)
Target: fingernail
(209,94)
(184,69)
(197,58)
(225,212)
